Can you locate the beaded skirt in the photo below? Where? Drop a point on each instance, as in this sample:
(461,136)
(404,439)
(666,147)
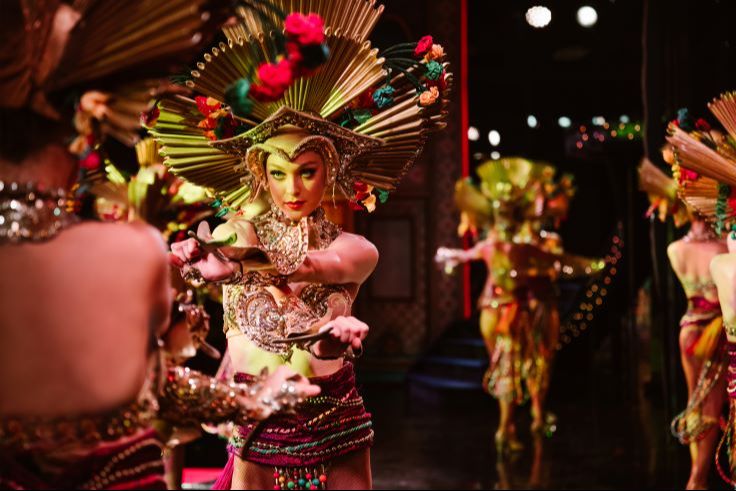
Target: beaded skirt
(132,463)
(701,330)
(330,425)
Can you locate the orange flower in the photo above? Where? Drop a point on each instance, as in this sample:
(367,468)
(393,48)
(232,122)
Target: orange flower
(370,203)
(435,53)
(429,97)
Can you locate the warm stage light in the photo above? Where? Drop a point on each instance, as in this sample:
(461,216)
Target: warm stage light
(587,16)
(538,16)
(494,137)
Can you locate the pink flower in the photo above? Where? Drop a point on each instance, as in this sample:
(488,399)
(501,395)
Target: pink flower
(423,46)
(275,79)
(687,175)
(305,29)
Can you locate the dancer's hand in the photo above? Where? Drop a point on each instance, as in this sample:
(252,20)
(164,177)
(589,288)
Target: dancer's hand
(345,332)
(198,263)
(282,390)
(449,258)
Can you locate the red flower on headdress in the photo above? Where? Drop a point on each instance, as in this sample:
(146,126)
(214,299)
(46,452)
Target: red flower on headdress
(440,83)
(207,105)
(687,175)
(304,29)
(732,201)
(361,190)
(364,100)
(149,118)
(423,46)
(275,79)
(702,125)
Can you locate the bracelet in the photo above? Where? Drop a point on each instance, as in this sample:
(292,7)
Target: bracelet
(235,278)
(348,354)
(286,398)
(193,276)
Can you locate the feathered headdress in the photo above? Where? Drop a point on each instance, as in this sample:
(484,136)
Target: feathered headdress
(706,163)
(376,108)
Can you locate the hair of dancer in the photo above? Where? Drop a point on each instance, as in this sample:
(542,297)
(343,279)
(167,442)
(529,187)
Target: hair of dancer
(706,172)
(85,304)
(702,344)
(272,136)
(517,206)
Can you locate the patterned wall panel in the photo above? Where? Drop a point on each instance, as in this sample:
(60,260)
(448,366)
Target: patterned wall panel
(422,212)
(394,300)
(445,291)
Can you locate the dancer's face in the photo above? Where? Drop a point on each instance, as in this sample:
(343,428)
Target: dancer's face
(296,186)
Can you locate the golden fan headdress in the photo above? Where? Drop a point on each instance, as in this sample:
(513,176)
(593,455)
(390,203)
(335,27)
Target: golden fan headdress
(376,144)
(662,192)
(706,164)
(512,190)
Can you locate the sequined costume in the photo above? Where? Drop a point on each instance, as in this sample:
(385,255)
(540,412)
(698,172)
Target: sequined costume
(523,334)
(704,158)
(368,118)
(251,309)
(326,427)
(702,325)
(519,318)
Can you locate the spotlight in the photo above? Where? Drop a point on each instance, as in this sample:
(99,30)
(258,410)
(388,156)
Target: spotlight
(473,134)
(587,16)
(494,137)
(564,122)
(531,120)
(599,120)
(538,16)
(495,155)
(624,118)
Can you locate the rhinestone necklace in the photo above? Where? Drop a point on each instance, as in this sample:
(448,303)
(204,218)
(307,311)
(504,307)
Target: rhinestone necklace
(28,214)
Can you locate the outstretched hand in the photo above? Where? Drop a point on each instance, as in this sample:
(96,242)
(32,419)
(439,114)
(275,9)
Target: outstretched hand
(282,390)
(198,263)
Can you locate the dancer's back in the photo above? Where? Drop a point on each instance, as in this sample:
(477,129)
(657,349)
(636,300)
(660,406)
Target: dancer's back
(77,313)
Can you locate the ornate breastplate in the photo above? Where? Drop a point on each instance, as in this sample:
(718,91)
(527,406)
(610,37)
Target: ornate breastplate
(252,308)
(286,242)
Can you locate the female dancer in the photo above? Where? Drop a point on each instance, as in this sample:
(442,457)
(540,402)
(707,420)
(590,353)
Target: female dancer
(83,304)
